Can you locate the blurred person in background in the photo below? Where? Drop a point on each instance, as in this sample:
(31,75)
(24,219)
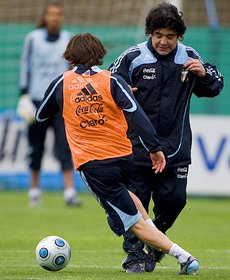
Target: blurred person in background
(41,62)
(163,74)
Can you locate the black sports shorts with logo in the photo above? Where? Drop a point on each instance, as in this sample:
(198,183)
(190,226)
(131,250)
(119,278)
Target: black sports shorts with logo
(107,180)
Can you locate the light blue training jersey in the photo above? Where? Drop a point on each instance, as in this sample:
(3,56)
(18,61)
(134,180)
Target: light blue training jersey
(42,61)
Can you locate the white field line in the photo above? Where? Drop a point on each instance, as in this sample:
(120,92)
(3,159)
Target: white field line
(114,251)
(28,278)
(218,251)
(80,266)
(212,251)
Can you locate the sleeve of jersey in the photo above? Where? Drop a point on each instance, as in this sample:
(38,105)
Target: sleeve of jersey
(122,64)
(50,105)
(25,65)
(210,85)
(134,114)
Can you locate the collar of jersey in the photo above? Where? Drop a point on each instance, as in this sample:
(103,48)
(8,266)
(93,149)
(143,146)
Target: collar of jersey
(80,69)
(157,55)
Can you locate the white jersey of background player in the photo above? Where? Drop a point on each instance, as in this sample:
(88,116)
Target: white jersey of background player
(41,63)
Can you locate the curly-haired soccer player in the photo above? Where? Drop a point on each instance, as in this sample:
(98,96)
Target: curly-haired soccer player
(164,73)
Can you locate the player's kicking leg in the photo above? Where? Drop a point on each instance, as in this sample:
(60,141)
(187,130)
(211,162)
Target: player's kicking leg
(126,213)
(147,232)
(156,239)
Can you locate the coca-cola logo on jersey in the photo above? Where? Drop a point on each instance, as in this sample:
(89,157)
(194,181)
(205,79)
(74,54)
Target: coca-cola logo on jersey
(94,108)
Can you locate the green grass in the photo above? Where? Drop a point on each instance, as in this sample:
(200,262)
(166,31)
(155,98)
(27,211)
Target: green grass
(203,229)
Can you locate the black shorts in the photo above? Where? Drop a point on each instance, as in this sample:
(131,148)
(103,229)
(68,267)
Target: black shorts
(36,137)
(108,185)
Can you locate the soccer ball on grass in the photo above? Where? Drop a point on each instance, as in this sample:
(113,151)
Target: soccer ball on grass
(53,253)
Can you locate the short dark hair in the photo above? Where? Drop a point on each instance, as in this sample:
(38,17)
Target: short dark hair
(85,49)
(165,15)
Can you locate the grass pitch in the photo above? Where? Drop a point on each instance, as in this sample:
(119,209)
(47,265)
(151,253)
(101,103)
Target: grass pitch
(203,228)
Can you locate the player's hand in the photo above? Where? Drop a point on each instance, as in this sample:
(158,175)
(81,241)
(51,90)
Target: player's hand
(158,161)
(196,67)
(134,89)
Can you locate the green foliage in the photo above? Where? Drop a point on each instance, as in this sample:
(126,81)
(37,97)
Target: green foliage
(203,229)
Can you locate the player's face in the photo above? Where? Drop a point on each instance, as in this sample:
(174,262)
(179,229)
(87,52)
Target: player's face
(53,18)
(164,40)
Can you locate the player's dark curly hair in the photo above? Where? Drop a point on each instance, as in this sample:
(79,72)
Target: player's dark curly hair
(85,49)
(165,15)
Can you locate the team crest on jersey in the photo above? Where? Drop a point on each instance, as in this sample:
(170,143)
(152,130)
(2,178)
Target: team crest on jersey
(183,75)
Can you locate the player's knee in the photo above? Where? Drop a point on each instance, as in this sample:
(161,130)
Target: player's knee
(173,202)
(65,159)
(66,164)
(116,225)
(180,200)
(35,164)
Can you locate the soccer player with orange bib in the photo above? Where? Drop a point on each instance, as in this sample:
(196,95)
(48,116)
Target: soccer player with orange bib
(96,106)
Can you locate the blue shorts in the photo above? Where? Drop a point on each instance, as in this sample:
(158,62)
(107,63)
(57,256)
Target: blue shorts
(108,184)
